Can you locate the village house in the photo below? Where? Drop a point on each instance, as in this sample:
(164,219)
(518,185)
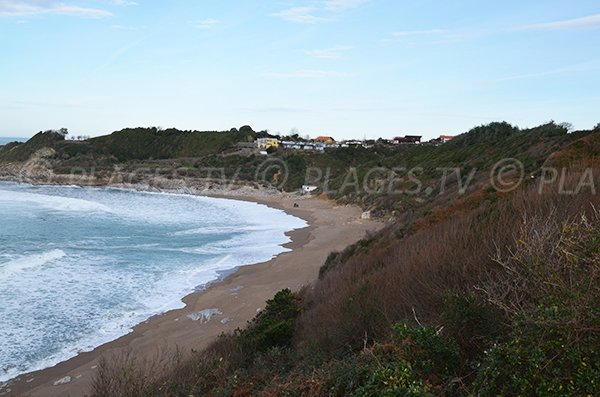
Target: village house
(295,145)
(353,143)
(266,143)
(408,140)
(445,138)
(327,140)
(442,139)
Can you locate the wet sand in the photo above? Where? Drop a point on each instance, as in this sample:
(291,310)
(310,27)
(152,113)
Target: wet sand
(237,297)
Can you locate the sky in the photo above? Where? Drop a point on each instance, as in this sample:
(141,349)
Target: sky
(345,68)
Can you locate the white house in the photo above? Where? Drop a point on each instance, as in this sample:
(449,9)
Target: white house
(306,189)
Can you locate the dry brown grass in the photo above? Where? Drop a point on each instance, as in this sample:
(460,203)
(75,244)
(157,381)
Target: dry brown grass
(407,279)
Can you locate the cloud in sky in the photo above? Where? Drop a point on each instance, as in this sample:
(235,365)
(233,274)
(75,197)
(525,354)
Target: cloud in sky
(122,27)
(299,15)
(311,14)
(590,66)
(341,5)
(434,36)
(590,21)
(35,7)
(206,23)
(123,2)
(418,32)
(329,53)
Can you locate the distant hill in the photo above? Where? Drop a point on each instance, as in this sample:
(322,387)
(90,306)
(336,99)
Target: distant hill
(148,152)
(5,140)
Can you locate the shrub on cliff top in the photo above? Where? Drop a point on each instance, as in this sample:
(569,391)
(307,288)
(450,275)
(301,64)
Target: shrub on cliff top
(274,326)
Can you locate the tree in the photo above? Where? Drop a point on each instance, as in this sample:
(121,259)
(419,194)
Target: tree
(597,127)
(567,126)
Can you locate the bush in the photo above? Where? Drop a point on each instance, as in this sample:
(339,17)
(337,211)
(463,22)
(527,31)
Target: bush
(393,380)
(416,361)
(473,324)
(274,326)
(427,351)
(551,291)
(541,363)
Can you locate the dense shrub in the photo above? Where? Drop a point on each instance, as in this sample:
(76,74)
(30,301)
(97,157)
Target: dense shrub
(551,291)
(472,323)
(274,326)
(415,361)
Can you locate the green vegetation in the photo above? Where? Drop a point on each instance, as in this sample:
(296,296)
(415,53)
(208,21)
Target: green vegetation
(273,327)
(551,295)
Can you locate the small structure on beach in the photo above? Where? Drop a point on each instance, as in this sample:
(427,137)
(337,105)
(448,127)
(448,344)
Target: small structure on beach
(307,189)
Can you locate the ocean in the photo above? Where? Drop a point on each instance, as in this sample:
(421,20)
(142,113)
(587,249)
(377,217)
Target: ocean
(4,141)
(79,267)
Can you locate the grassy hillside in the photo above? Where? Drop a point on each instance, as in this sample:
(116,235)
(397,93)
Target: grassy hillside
(486,293)
(380,179)
(132,144)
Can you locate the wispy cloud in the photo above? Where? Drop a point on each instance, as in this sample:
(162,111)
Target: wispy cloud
(279,109)
(122,27)
(329,53)
(206,23)
(115,56)
(307,74)
(123,2)
(590,21)
(35,7)
(313,13)
(405,33)
(342,5)
(590,66)
(431,36)
(299,15)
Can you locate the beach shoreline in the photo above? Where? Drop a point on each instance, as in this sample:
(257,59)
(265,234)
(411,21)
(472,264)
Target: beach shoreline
(231,301)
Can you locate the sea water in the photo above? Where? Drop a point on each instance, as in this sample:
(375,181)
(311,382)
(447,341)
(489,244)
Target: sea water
(5,140)
(80,267)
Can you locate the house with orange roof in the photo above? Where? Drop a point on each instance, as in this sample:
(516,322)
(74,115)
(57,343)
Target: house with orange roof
(327,140)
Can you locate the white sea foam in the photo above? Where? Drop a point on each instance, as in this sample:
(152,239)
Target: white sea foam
(28,262)
(120,270)
(65,204)
(219,230)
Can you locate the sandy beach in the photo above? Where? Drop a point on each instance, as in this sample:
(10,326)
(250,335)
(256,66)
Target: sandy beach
(233,301)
